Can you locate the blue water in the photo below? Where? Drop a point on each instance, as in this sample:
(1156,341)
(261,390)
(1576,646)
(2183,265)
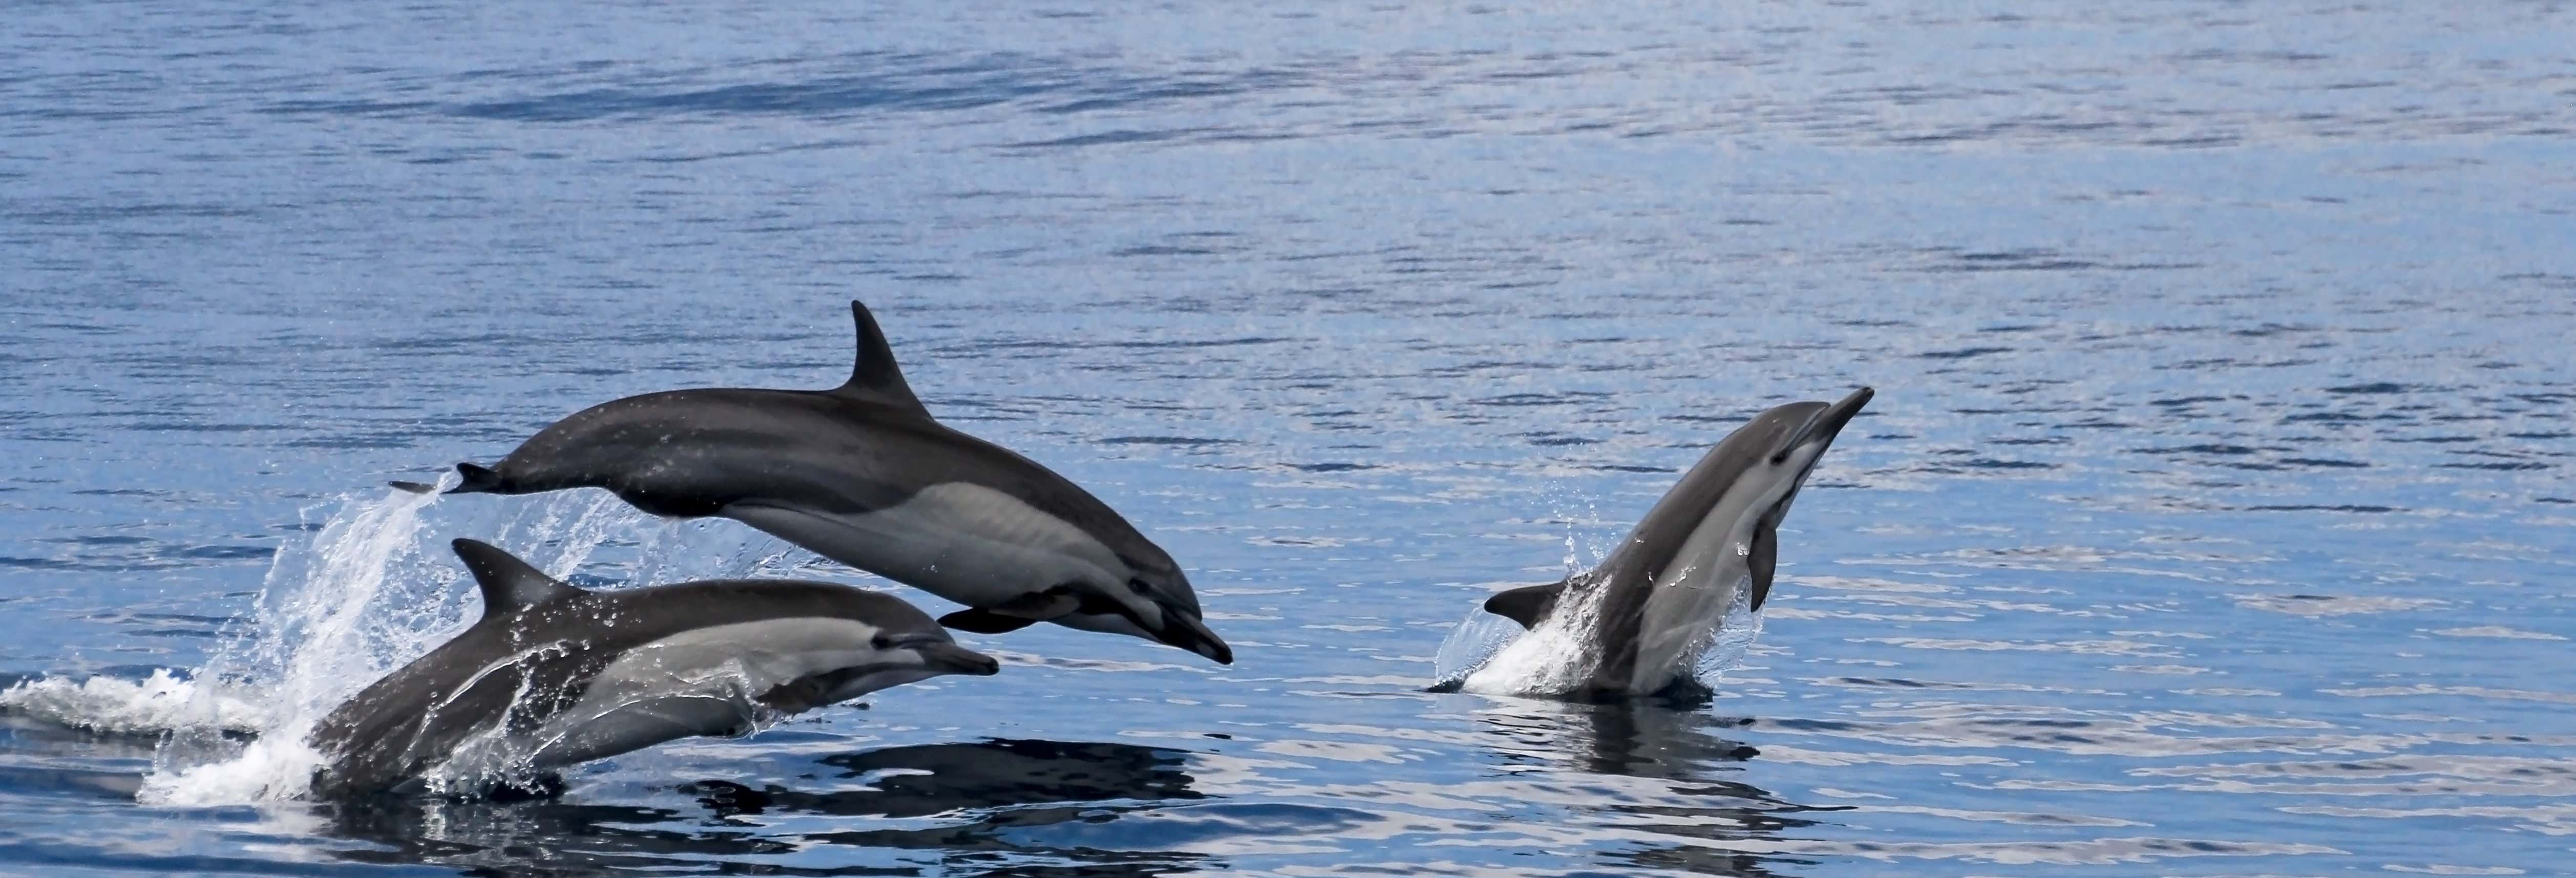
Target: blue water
(2214,516)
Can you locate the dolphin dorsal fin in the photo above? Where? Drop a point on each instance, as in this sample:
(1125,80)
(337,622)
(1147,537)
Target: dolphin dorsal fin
(509,585)
(1526,604)
(875,377)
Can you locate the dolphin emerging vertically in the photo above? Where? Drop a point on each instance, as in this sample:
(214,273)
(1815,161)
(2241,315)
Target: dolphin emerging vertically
(1633,625)
(863,475)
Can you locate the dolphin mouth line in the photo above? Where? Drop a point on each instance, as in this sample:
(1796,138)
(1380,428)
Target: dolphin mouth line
(1826,424)
(1186,630)
(954,659)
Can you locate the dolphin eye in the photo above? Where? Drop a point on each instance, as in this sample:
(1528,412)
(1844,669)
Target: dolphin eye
(881,642)
(1138,586)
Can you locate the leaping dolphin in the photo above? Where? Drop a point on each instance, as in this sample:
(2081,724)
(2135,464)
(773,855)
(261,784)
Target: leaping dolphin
(553,675)
(862,474)
(1641,616)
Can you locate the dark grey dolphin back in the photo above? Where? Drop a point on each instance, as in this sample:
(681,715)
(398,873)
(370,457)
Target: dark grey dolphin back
(1630,573)
(535,651)
(385,735)
(1650,546)
(681,453)
(416,716)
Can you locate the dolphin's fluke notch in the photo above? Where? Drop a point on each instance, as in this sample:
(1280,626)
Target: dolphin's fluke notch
(1526,604)
(509,585)
(875,377)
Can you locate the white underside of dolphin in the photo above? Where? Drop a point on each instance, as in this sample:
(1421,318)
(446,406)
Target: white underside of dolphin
(706,682)
(967,543)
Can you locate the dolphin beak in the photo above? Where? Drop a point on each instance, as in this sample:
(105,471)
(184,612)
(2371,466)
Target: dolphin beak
(1826,424)
(949,658)
(1840,413)
(1184,630)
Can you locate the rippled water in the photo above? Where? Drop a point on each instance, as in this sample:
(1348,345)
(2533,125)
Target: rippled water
(2213,517)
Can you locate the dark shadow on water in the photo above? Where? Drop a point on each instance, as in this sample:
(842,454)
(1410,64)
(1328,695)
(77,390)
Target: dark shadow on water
(1668,737)
(993,804)
(929,779)
(995,808)
(1014,789)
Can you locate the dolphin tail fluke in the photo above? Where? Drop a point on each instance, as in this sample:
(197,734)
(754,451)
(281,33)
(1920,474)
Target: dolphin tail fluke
(477,480)
(984,622)
(1527,604)
(413,487)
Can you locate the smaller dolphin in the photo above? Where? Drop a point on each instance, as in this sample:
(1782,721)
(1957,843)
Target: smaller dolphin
(553,675)
(1649,608)
(863,475)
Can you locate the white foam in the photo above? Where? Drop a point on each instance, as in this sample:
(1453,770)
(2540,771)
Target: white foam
(376,588)
(265,770)
(1491,655)
(156,704)
(1554,658)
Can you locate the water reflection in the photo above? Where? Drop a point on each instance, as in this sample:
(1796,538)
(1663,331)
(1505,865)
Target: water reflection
(1699,795)
(1008,792)
(929,779)
(531,838)
(1014,790)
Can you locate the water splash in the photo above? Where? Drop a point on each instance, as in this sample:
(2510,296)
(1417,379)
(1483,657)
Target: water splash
(376,588)
(1488,654)
(331,616)
(150,706)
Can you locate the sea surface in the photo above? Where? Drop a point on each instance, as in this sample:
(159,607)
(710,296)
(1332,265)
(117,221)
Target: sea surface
(2216,515)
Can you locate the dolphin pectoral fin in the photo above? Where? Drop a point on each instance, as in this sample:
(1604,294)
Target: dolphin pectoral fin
(1039,606)
(1526,604)
(984,622)
(1765,553)
(798,695)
